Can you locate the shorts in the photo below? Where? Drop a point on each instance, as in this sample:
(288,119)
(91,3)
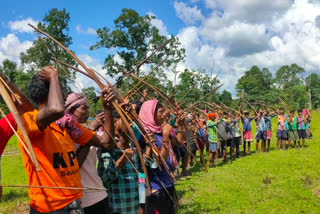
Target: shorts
(302,134)
(269,135)
(247,136)
(213,147)
(261,135)
(142,193)
(236,141)
(282,134)
(223,144)
(293,135)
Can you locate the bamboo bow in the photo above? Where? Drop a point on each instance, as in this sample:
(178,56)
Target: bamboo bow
(12,108)
(172,103)
(117,107)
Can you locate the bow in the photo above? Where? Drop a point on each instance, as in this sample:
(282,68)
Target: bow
(117,107)
(172,103)
(12,108)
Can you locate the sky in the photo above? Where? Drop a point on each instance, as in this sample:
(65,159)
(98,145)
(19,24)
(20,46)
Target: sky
(224,37)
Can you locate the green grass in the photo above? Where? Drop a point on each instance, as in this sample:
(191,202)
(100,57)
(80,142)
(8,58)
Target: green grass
(274,182)
(12,172)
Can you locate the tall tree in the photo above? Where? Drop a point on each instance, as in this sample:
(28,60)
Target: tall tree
(55,23)
(256,83)
(314,80)
(133,38)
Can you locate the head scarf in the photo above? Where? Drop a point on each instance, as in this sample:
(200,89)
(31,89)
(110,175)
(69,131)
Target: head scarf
(75,100)
(146,116)
(211,115)
(69,121)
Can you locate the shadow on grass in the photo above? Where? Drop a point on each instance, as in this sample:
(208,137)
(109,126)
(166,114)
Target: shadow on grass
(13,195)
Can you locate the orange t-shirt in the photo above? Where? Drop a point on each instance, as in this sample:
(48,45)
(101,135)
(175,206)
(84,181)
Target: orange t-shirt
(56,154)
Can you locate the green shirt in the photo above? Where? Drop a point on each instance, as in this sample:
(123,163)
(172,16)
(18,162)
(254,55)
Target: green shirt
(293,125)
(212,131)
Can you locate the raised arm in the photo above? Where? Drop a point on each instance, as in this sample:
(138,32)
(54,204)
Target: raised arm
(54,108)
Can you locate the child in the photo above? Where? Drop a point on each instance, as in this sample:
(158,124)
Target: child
(247,135)
(302,121)
(212,137)
(236,131)
(292,129)
(268,120)
(223,134)
(282,134)
(261,133)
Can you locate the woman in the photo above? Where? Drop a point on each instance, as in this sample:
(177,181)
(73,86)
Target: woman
(76,110)
(162,197)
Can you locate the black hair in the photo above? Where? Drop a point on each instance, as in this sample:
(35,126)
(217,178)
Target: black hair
(225,113)
(159,105)
(281,108)
(292,112)
(138,105)
(38,89)
(300,111)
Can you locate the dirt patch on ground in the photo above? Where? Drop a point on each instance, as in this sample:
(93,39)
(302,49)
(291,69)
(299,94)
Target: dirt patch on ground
(21,208)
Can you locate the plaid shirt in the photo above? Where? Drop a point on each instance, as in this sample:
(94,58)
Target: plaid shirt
(122,184)
(212,131)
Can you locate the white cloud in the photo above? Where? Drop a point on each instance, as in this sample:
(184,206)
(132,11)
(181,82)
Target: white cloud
(190,15)
(22,25)
(11,47)
(158,23)
(81,80)
(239,34)
(250,10)
(89,30)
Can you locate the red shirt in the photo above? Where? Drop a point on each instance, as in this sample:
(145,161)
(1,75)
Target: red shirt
(5,131)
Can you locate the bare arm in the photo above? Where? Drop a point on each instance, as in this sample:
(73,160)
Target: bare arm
(54,109)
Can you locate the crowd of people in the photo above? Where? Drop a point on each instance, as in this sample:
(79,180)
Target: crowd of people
(95,163)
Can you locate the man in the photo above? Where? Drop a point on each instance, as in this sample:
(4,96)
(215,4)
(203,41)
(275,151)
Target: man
(302,121)
(223,135)
(282,134)
(54,149)
(268,120)
(212,137)
(292,129)
(236,131)
(260,131)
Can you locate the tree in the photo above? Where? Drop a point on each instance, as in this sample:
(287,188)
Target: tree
(195,85)
(226,98)
(16,76)
(288,76)
(314,80)
(256,84)
(55,23)
(133,38)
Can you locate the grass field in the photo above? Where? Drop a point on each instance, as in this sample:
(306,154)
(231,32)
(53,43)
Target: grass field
(274,182)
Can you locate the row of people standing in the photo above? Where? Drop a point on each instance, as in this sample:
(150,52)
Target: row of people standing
(224,130)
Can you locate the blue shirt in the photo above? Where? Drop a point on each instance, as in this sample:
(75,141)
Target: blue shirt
(158,177)
(246,123)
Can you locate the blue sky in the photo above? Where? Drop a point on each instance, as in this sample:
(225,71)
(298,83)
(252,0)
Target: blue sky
(224,37)
(94,14)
